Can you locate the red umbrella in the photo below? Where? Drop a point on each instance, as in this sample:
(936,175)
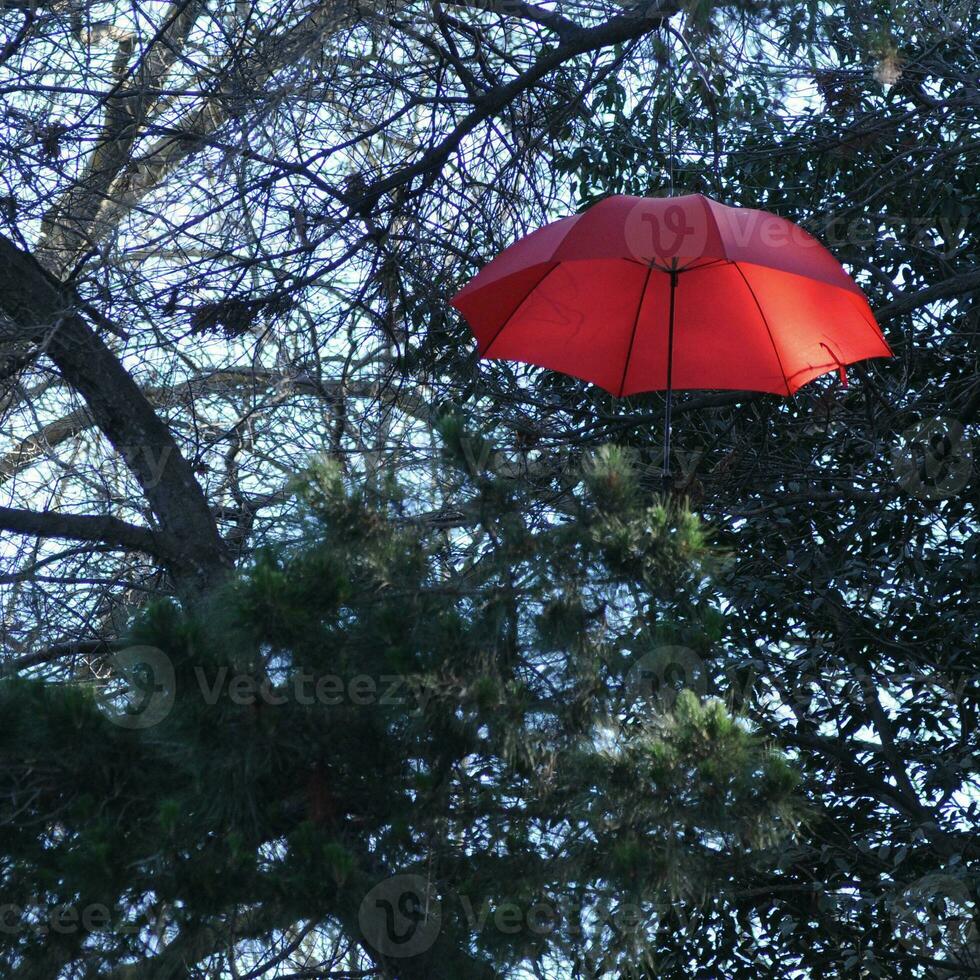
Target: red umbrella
(648,294)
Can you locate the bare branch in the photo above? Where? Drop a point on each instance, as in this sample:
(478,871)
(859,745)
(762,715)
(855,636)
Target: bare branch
(39,312)
(78,527)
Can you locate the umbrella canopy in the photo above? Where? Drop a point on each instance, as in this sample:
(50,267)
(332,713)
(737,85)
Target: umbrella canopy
(643,294)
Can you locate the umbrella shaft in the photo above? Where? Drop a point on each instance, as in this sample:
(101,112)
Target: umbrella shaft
(670,371)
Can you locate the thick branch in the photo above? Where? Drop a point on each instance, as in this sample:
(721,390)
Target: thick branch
(77,527)
(149,170)
(962,285)
(75,219)
(140,176)
(562,26)
(631,24)
(38,311)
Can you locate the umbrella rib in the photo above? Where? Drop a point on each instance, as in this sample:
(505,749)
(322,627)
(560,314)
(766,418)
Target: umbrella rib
(514,312)
(876,330)
(765,322)
(636,321)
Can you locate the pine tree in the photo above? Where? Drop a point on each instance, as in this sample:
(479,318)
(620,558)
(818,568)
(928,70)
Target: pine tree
(404,748)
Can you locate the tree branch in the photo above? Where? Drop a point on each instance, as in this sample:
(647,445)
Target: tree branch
(39,311)
(77,527)
(632,23)
(962,285)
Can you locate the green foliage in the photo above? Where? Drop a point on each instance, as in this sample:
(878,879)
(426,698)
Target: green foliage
(821,823)
(391,701)
(851,637)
